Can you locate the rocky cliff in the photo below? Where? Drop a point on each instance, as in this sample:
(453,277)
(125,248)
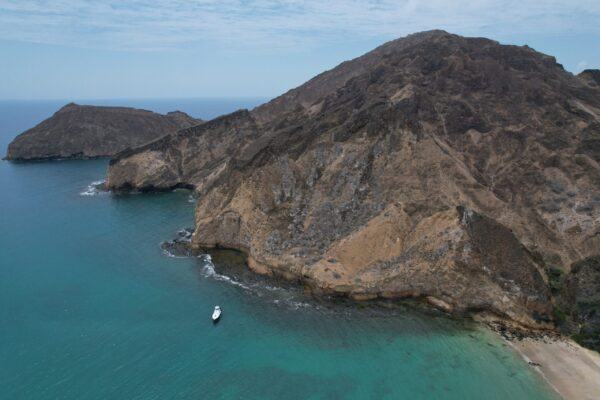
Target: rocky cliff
(577,310)
(453,169)
(77,131)
(592,76)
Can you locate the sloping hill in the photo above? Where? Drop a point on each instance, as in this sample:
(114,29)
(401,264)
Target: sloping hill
(438,166)
(77,131)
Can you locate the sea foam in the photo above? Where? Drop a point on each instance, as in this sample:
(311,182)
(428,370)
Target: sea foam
(276,295)
(94,188)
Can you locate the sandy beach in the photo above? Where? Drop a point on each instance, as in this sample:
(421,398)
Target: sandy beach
(572,370)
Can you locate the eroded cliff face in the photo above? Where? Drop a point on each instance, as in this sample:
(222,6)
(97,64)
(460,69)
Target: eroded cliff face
(77,131)
(449,168)
(196,156)
(578,305)
(591,76)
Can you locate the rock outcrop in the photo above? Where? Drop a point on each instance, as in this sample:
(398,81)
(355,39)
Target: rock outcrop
(578,307)
(452,169)
(191,157)
(77,131)
(591,76)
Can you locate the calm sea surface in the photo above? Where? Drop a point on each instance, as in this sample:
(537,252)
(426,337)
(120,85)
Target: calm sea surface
(91,308)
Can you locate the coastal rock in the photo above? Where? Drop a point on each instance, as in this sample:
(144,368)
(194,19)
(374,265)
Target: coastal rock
(436,166)
(592,76)
(77,131)
(578,308)
(180,245)
(194,157)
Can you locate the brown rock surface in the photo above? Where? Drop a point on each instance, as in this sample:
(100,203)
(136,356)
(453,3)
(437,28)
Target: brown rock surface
(77,131)
(591,76)
(436,166)
(578,306)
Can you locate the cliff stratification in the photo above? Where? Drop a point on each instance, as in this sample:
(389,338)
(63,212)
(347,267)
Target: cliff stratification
(454,169)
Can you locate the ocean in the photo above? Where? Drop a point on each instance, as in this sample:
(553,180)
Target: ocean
(92,308)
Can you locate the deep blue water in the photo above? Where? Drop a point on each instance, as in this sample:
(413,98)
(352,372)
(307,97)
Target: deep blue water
(91,308)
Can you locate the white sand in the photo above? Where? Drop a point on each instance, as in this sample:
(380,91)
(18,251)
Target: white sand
(572,370)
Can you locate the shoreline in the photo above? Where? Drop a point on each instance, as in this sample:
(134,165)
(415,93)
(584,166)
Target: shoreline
(570,369)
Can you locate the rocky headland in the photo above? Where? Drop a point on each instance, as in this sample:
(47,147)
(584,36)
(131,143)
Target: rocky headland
(591,76)
(456,170)
(77,131)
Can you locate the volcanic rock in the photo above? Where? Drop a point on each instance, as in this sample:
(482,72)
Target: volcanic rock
(436,166)
(578,308)
(591,76)
(77,131)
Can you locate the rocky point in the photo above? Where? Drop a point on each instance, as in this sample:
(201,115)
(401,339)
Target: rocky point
(453,169)
(77,131)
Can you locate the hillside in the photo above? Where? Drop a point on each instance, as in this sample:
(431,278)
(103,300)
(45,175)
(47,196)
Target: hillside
(453,169)
(77,131)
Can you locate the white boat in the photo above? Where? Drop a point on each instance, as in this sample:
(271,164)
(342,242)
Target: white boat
(216,313)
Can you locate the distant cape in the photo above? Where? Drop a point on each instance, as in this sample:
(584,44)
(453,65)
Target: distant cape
(80,131)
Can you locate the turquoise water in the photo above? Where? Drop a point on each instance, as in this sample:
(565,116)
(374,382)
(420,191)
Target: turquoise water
(91,308)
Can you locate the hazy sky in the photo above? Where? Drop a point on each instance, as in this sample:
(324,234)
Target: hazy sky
(68,49)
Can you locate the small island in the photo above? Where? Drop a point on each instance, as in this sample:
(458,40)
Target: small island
(80,131)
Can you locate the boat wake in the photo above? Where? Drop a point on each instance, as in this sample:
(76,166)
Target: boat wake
(95,188)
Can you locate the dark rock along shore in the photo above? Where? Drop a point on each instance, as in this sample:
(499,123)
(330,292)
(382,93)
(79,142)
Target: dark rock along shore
(77,131)
(453,169)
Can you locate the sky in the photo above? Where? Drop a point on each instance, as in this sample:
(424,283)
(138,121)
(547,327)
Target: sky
(96,49)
